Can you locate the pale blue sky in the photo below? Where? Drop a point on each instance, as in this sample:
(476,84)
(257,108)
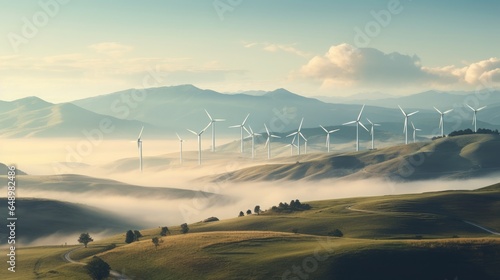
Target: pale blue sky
(92,47)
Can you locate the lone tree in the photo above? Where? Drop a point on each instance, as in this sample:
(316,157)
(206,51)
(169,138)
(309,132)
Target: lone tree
(97,268)
(164,231)
(85,239)
(129,236)
(257,209)
(249,212)
(137,235)
(241,214)
(156,241)
(184,228)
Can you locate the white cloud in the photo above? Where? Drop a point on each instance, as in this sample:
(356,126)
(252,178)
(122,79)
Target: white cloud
(271,47)
(347,66)
(111,48)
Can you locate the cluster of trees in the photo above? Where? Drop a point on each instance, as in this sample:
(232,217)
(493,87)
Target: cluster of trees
(469,131)
(132,235)
(256,210)
(295,205)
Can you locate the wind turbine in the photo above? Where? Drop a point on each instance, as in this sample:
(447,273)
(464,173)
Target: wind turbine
(328,136)
(405,128)
(180,141)
(199,141)
(292,145)
(241,126)
(252,135)
(441,119)
(305,143)
(372,132)
(268,141)
(212,123)
(298,133)
(357,122)
(415,132)
(474,119)
(139,147)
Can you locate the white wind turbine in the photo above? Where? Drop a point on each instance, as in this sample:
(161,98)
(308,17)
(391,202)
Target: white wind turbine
(474,119)
(328,136)
(405,128)
(212,123)
(199,141)
(357,122)
(180,141)
(268,141)
(292,145)
(372,132)
(441,119)
(298,134)
(415,132)
(139,147)
(241,126)
(252,135)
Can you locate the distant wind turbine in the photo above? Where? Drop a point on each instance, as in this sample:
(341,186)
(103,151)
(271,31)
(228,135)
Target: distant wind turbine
(441,119)
(199,141)
(212,123)
(298,134)
(372,132)
(474,119)
(328,136)
(180,141)
(139,147)
(405,128)
(268,141)
(241,126)
(252,135)
(415,132)
(357,122)
(292,145)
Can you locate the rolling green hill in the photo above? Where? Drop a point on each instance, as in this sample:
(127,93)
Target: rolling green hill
(451,157)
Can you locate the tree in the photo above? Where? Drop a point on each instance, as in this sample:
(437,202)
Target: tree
(257,209)
(137,235)
(184,228)
(249,212)
(85,239)
(164,231)
(129,236)
(97,268)
(156,241)
(241,214)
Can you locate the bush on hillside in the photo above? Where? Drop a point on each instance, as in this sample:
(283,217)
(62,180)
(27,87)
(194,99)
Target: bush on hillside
(295,205)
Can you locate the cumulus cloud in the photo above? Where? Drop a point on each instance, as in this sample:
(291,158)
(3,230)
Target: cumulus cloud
(347,66)
(271,47)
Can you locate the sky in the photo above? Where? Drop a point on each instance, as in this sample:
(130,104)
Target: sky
(63,50)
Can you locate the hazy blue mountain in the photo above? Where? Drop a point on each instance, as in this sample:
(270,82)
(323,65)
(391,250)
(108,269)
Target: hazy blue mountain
(34,117)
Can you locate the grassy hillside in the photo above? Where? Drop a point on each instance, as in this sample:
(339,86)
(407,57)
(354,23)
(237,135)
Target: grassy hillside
(451,157)
(41,217)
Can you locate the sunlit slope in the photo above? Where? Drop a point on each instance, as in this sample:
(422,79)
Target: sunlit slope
(451,157)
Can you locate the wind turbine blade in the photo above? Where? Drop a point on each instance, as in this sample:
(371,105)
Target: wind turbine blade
(446,112)
(234,126)
(410,114)
(438,110)
(349,123)
(275,136)
(140,133)
(303,136)
(327,139)
(363,126)
(376,124)
(369,121)
(405,125)
(267,142)
(474,118)
(178,136)
(402,111)
(360,112)
(418,129)
(209,124)
(245,120)
(324,128)
(192,132)
(441,122)
(412,125)
(219,120)
(300,126)
(251,129)
(481,108)
(294,133)
(246,130)
(335,130)
(267,130)
(210,117)
(470,107)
